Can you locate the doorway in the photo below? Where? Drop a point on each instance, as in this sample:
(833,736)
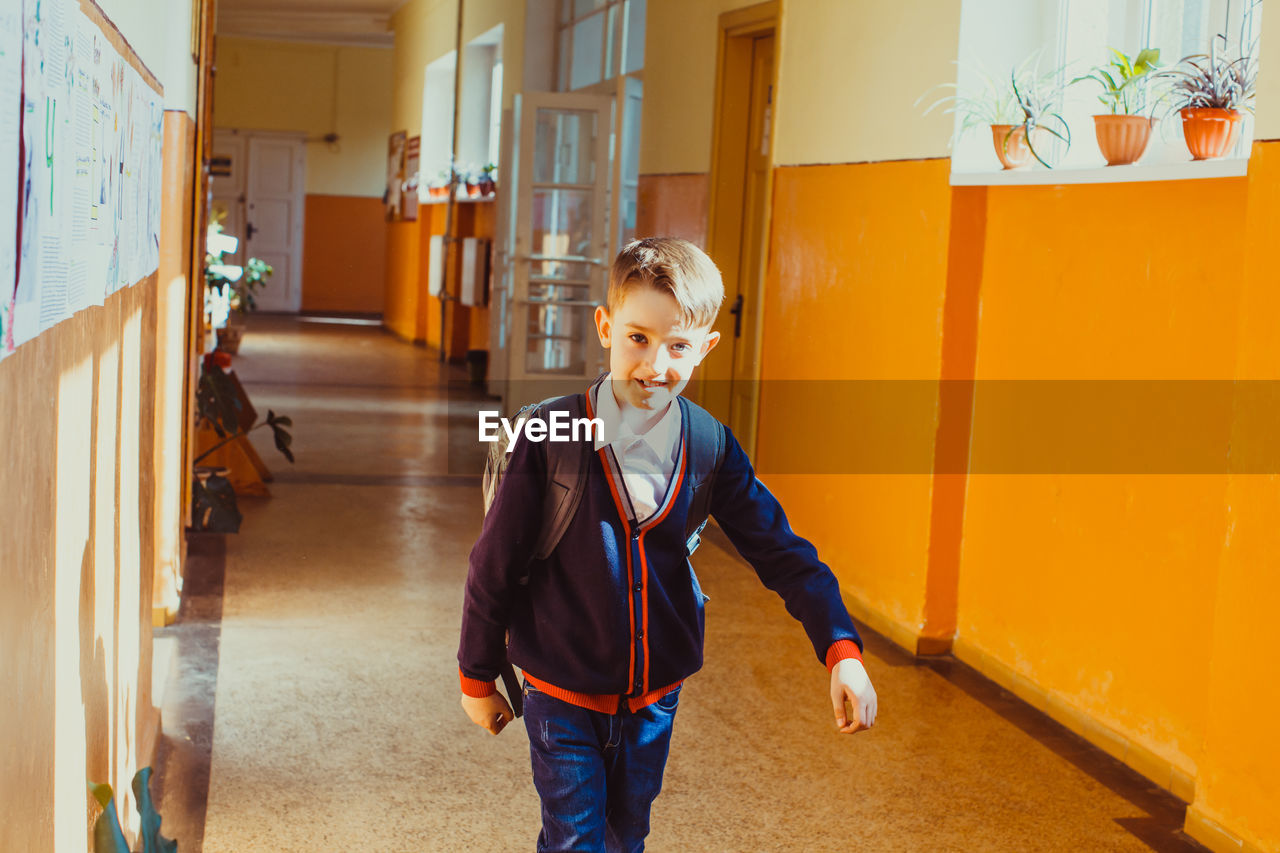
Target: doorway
(258,183)
(738,226)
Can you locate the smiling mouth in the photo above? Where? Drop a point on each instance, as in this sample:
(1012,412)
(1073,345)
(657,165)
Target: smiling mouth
(652,385)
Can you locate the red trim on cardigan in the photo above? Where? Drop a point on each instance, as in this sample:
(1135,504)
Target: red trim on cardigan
(842,650)
(606,703)
(475,688)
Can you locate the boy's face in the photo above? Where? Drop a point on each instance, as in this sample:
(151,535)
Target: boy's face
(652,353)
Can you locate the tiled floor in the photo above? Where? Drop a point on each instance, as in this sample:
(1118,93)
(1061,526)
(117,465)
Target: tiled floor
(314,701)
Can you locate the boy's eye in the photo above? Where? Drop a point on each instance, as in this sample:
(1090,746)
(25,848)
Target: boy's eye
(637,337)
(680,347)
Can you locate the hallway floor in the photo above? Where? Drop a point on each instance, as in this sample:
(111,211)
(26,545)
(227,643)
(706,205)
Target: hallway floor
(312,702)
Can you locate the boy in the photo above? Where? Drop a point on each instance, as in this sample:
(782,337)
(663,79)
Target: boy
(607,628)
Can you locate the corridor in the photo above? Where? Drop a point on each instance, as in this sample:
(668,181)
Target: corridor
(312,678)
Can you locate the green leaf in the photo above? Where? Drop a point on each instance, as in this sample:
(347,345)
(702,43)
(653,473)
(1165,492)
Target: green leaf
(152,840)
(107,835)
(1147,59)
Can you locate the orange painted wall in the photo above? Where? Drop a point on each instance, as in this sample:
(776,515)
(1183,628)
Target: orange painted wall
(1239,780)
(344,258)
(854,295)
(400,302)
(1085,583)
(1117,596)
(410,310)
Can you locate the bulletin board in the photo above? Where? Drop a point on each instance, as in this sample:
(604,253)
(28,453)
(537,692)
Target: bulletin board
(80,165)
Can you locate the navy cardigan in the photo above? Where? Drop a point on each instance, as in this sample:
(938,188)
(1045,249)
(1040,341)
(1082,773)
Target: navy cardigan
(616,608)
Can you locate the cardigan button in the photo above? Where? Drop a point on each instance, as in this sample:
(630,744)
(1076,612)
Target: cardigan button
(638,587)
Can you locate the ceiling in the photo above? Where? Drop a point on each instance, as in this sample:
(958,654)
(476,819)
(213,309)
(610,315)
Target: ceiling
(356,22)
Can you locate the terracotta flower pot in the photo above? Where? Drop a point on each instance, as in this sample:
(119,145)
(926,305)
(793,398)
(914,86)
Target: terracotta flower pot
(1010,142)
(229,338)
(1209,132)
(1122,139)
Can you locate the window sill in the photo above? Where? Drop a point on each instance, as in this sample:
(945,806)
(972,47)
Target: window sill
(1227,167)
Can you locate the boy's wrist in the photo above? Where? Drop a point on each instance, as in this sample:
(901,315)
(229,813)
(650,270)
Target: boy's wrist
(475,688)
(842,650)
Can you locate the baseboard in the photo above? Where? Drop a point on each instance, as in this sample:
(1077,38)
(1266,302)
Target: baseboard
(1214,835)
(863,613)
(1159,770)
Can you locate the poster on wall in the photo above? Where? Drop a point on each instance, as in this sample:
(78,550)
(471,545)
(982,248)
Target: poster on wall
(409,194)
(10,92)
(80,186)
(395,173)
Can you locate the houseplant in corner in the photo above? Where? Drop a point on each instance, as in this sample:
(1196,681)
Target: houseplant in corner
(1123,132)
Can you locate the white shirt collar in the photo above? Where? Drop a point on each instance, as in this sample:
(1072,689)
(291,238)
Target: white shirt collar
(659,437)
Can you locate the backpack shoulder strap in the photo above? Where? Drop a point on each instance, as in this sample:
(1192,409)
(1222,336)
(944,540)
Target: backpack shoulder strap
(567,464)
(706,453)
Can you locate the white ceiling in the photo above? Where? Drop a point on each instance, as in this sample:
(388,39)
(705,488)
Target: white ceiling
(359,22)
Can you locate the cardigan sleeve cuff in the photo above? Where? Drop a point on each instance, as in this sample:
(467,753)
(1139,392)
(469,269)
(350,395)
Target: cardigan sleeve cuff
(475,688)
(842,650)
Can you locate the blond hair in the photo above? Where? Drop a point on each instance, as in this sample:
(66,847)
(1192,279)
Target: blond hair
(670,265)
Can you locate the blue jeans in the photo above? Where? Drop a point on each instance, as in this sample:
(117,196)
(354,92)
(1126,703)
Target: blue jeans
(597,774)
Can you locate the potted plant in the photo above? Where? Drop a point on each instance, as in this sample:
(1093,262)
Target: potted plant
(231,288)
(220,407)
(489,179)
(1039,100)
(471,177)
(439,186)
(1211,92)
(1123,132)
(1020,112)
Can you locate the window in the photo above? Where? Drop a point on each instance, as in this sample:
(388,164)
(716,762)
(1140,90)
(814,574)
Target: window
(479,113)
(598,40)
(1064,40)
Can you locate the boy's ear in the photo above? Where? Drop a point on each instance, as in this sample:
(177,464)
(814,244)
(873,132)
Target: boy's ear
(709,344)
(604,325)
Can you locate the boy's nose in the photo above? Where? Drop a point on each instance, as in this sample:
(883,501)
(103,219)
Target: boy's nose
(661,360)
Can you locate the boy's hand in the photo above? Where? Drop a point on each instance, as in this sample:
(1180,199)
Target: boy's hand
(849,681)
(492,712)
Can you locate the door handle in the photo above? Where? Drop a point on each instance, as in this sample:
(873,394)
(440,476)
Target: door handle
(736,311)
(249,231)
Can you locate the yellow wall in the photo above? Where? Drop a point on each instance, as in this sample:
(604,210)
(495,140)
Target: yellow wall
(679,84)
(850,74)
(427,29)
(315,89)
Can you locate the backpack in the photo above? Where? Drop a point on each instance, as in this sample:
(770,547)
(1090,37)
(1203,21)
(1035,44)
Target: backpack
(567,465)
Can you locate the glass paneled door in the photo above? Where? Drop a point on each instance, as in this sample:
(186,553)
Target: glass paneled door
(560,259)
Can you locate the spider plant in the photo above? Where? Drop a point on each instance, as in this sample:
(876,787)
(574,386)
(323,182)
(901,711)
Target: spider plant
(1214,81)
(1028,99)
(993,103)
(1124,81)
(1218,80)
(1040,102)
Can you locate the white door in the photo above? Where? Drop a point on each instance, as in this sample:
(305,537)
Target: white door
(274,207)
(560,259)
(227,168)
